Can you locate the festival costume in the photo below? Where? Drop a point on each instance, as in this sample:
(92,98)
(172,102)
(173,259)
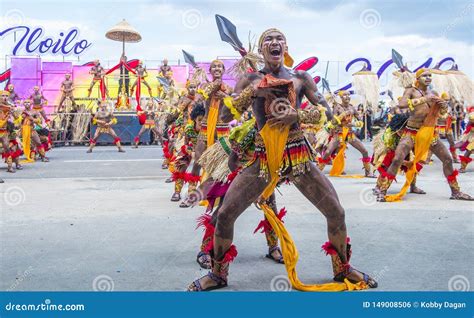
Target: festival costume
(182,161)
(466,142)
(168,121)
(66,85)
(141,79)
(7,154)
(186,140)
(385,144)
(14,140)
(151,117)
(423,138)
(444,128)
(13,97)
(280,152)
(315,128)
(212,126)
(97,72)
(215,161)
(31,140)
(340,128)
(105,128)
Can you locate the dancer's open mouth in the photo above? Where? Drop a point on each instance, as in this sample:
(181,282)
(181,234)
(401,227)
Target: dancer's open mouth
(275,51)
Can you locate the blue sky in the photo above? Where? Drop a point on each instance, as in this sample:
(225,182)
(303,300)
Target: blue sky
(337,30)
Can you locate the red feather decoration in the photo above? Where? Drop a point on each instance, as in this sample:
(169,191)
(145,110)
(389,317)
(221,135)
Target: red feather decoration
(231,254)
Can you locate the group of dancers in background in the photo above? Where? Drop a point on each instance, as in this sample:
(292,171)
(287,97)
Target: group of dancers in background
(25,128)
(24,136)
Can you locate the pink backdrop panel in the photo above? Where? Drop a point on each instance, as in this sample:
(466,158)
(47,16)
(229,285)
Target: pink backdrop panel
(25,73)
(24,87)
(180,73)
(61,67)
(52,81)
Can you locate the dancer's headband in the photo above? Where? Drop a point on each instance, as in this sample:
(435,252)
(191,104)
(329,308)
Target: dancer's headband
(287,59)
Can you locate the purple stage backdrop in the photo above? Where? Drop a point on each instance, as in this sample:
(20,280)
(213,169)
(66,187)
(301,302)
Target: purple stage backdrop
(26,72)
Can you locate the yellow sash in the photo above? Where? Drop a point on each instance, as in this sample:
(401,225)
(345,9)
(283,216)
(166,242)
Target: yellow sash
(423,140)
(275,143)
(26,142)
(212,120)
(339,161)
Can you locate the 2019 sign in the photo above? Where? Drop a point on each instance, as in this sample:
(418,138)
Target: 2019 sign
(30,42)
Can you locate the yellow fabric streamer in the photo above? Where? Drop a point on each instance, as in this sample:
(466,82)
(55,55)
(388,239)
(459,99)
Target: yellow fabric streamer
(339,161)
(212,120)
(423,140)
(290,255)
(26,143)
(228,103)
(275,143)
(288,60)
(203,93)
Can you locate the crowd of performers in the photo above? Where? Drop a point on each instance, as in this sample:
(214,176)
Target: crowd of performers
(234,146)
(24,133)
(25,129)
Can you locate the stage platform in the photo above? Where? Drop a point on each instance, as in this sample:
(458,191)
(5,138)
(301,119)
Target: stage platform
(127,128)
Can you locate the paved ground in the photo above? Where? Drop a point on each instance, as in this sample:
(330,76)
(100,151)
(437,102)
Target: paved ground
(67,223)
